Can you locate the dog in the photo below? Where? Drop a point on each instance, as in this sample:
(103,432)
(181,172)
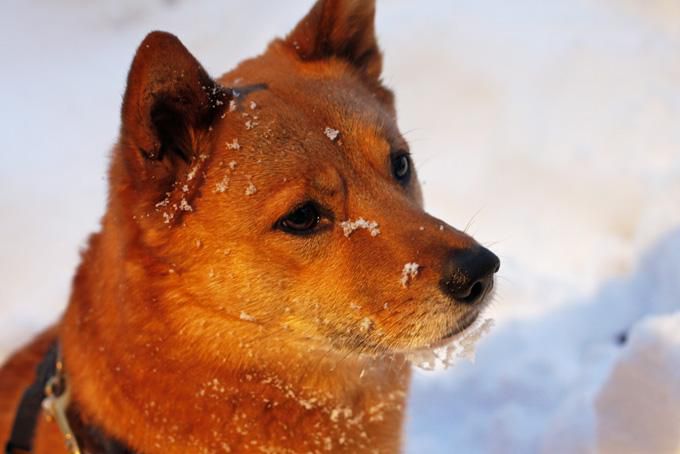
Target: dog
(264,266)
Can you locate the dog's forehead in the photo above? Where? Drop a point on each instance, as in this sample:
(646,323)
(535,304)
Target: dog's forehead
(316,109)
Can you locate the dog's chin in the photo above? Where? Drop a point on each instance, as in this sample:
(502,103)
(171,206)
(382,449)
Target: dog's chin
(461,327)
(344,344)
(464,323)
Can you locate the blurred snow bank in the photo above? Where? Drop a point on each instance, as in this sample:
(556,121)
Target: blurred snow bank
(638,407)
(606,396)
(536,381)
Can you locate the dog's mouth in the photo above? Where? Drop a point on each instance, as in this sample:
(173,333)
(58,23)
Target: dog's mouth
(461,327)
(467,321)
(471,317)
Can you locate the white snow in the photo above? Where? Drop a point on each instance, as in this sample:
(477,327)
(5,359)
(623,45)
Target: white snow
(246,316)
(556,121)
(331,133)
(409,272)
(250,189)
(184,205)
(192,173)
(233,145)
(365,324)
(636,408)
(461,346)
(348,227)
(222,185)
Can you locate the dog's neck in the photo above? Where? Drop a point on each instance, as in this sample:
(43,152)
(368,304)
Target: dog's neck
(143,379)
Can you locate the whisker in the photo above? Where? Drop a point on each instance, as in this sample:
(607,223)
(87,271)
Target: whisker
(471,221)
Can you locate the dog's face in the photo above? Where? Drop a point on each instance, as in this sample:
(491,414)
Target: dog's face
(283,201)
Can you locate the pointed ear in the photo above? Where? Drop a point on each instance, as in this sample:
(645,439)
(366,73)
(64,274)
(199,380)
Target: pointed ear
(169,101)
(340,28)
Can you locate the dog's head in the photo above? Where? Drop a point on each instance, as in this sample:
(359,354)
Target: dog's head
(281,200)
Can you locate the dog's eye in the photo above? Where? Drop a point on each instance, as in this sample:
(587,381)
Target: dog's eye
(401,167)
(304,219)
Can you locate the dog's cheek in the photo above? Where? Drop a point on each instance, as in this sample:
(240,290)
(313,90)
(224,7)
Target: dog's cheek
(416,191)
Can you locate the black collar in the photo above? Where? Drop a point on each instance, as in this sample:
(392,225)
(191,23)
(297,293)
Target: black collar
(50,391)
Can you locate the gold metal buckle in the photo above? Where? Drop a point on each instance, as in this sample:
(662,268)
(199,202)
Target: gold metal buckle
(55,404)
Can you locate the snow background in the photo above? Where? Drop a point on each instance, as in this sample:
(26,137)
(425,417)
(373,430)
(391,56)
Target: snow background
(554,125)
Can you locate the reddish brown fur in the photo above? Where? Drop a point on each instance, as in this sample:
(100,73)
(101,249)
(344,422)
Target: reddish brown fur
(213,331)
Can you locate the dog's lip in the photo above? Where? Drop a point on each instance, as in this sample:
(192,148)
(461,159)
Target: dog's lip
(467,321)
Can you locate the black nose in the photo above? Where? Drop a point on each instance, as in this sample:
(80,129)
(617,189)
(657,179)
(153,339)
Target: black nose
(468,273)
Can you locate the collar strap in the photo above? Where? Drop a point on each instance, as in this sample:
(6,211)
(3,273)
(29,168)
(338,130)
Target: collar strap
(49,391)
(55,405)
(26,418)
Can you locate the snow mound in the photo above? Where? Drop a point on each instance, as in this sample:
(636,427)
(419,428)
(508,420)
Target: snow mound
(638,408)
